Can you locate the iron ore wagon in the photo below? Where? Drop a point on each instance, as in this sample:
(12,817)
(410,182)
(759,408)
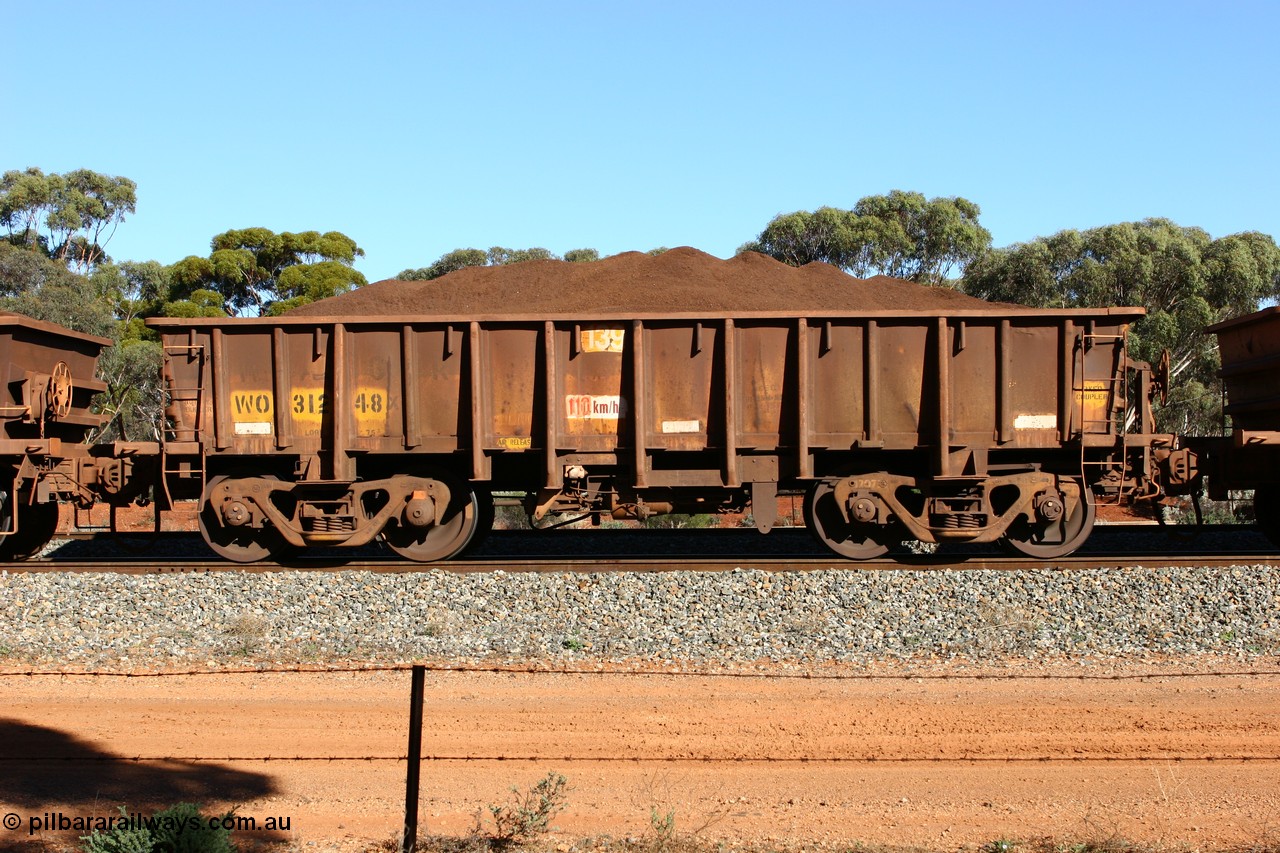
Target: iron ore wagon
(49,378)
(1248,457)
(973,424)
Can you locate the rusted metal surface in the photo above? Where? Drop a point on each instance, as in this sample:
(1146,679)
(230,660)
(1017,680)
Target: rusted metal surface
(1250,350)
(707,384)
(1249,458)
(627,416)
(47,381)
(48,375)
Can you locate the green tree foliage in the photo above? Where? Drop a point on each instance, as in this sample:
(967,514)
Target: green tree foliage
(69,217)
(199,303)
(134,397)
(496,256)
(23,270)
(445,264)
(1184,279)
(501,256)
(255,268)
(900,234)
(178,829)
(134,289)
(44,289)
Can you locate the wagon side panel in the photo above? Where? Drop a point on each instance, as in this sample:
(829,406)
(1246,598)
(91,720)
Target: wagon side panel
(589,404)
(1250,351)
(684,366)
(765,410)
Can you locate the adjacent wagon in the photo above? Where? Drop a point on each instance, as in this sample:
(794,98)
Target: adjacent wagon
(1248,457)
(48,380)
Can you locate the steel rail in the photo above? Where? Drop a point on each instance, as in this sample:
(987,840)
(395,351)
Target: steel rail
(672,563)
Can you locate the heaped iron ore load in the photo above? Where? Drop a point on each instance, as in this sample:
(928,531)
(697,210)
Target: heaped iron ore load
(639,385)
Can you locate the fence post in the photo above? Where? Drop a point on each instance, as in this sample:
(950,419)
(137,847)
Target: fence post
(409,841)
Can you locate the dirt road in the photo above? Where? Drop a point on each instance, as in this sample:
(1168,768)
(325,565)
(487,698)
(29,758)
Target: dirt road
(934,758)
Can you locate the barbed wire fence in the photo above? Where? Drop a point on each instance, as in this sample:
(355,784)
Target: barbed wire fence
(413,757)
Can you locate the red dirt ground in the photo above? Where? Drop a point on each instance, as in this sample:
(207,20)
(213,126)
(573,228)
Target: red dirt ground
(1162,754)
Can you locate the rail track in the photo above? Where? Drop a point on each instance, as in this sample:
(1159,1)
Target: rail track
(788,549)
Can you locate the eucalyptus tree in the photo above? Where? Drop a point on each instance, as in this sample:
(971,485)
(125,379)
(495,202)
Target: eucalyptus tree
(70,217)
(495,256)
(256,270)
(1184,278)
(900,234)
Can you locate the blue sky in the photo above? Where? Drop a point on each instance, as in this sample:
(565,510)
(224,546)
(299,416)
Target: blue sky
(417,127)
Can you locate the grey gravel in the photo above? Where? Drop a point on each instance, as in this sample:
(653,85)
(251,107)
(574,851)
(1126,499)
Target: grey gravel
(729,618)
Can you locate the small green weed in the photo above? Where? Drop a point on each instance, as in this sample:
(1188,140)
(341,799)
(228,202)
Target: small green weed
(178,828)
(663,826)
(527,815)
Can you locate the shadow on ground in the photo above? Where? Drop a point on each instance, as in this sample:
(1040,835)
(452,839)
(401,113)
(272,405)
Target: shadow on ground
(44,770)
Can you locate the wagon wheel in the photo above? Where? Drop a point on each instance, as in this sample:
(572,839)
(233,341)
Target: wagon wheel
(484,518)
(1266,509)
(59,391)
(827,524)
(448,536)
(243,544)
(37,524)
(1163,373)
(1057,539)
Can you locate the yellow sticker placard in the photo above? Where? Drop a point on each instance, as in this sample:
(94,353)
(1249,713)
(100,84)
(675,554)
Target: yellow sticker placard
(602,339)
(515,442)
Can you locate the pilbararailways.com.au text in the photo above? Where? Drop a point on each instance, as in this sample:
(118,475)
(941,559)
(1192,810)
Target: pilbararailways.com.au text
(62,822)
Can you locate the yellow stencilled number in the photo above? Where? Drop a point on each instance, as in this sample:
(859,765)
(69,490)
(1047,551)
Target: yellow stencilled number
(252,406)
(308,404)
(308,408)
(369,405)
(252,412)
(603,340)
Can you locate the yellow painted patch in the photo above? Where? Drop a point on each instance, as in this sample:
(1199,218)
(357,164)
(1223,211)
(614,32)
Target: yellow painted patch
(369,406)
(308,405)
(307,409)
(1094,401)
(252,412)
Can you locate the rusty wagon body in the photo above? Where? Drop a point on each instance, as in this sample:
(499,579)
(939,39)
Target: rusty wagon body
(47,380)
(966,425)
(1248,456)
